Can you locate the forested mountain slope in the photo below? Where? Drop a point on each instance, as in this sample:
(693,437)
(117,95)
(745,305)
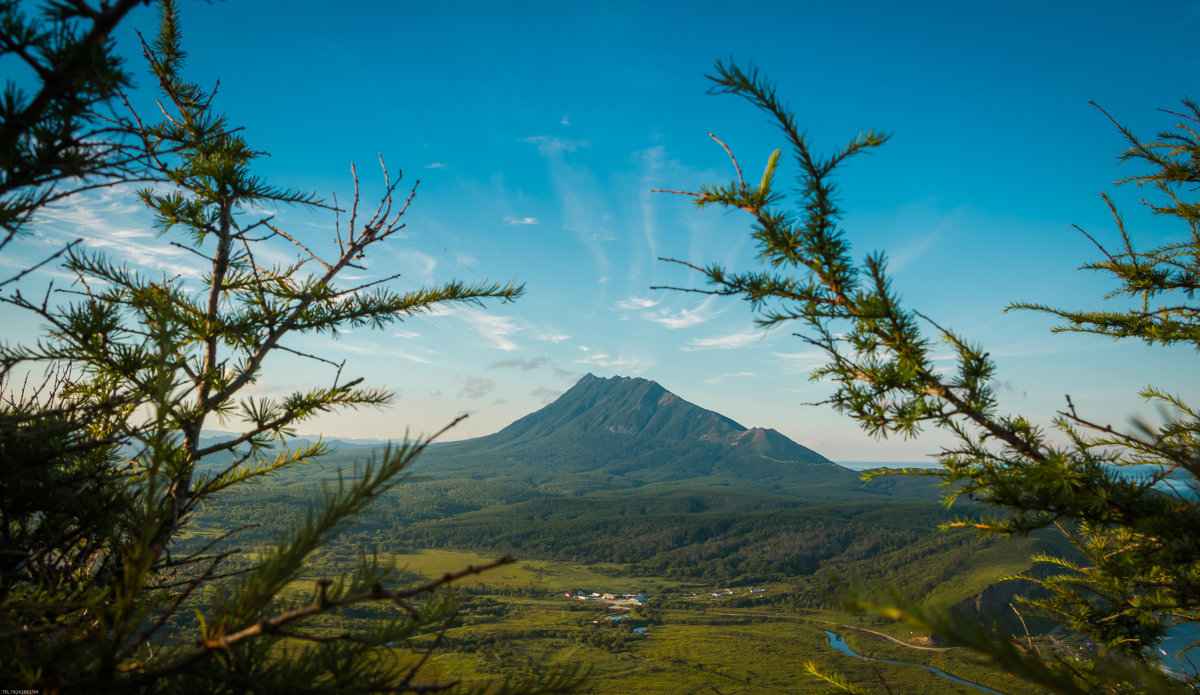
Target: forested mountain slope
(622,432)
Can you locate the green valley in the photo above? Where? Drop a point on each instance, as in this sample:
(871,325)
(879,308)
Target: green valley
(740,539)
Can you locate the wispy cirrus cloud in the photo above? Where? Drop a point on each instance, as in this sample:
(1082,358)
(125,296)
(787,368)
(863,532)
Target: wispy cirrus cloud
(599,358)
(652,161)
(729,375)
(493,328)
(913,250)
(685,318)
(585,206)
(799,362)
(636,303)
(377,350)
(552,336)
(671,319)
(436,165)
(109,220)
(518,221)
(414,263)
(552,146)
(725,342)
(1044,346)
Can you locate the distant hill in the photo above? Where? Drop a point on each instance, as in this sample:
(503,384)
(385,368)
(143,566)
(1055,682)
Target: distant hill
(623,432)
(210,437)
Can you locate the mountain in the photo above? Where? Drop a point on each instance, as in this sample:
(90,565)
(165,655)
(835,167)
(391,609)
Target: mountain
(620,470)
(622,432)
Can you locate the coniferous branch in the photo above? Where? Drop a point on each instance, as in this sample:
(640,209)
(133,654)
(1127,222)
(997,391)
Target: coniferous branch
(223,641)
(837,682)
(1142,540)
(101,580)
(62,133)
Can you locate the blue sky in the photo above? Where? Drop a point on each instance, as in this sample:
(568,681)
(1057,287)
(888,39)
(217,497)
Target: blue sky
(538,130)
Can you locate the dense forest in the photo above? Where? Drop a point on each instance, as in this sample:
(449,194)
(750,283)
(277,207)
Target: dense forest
(713,536)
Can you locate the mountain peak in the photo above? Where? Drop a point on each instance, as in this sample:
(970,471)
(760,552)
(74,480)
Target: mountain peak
(631,431)
(637,407)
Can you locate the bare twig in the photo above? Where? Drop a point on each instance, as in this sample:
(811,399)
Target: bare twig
(741,181)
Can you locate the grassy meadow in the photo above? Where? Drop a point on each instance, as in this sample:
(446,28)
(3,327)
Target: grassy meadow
(516,618)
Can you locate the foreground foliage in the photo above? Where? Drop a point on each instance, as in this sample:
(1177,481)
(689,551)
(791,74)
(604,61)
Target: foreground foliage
(104,465)
(1140,534)
(69,133)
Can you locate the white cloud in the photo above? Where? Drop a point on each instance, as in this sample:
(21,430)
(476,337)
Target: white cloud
(685,318)
(435,165)
(420,264)
(1044,346)
(551,146)
(550,335)
(376,350)
(590,235)
(912,250)
(652,162)
(492,327)
(406,334)
(477,388)
(526,365)
(566,119)
(509,220)
(636,303)
(409,357)
(725,342)
(800,362)
(109,220)
(602,359)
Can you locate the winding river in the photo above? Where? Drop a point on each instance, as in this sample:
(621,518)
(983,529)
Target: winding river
(839,644)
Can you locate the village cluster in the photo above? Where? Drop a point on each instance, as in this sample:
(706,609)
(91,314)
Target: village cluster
(629,600)
(730,592)
(612,599)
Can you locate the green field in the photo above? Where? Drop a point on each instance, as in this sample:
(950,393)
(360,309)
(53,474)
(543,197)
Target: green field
(677,544)
(552,576)
(515,619)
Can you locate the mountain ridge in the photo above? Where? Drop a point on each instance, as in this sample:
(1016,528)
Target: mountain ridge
(624,432)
